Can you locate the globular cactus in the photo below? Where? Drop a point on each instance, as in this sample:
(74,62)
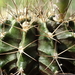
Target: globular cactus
(32,42)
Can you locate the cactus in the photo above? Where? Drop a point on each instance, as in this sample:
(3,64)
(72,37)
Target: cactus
(32,42)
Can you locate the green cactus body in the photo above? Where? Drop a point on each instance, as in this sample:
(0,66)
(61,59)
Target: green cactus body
(11,45)
(62,7)
(32,43)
